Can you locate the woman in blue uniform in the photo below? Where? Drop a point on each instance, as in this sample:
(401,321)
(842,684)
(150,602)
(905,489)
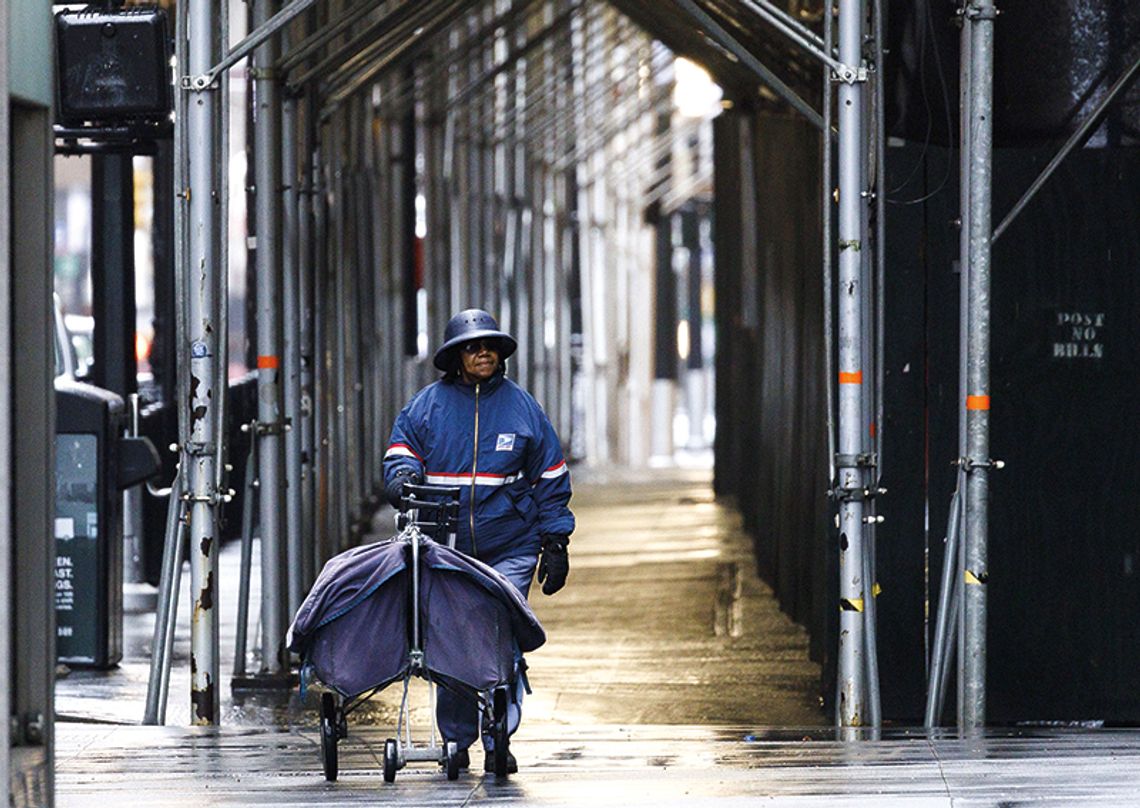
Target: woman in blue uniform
(477,429)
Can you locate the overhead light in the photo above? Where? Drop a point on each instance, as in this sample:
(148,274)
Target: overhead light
(695,94)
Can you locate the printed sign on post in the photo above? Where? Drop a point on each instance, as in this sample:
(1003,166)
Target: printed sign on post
(76,547)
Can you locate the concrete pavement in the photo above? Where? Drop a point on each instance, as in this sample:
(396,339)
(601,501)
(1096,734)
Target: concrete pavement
(667,668)
(604,765)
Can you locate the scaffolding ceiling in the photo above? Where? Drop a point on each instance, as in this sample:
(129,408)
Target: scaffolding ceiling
(598,73)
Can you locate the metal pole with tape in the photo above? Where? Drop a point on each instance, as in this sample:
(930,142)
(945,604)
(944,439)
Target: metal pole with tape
(980,15)
(202,340)
(270,414)
(852,458)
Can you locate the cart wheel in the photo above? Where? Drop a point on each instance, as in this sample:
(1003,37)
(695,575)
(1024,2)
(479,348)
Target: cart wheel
(391,760)
(451,756)
(330,722)
(500,732)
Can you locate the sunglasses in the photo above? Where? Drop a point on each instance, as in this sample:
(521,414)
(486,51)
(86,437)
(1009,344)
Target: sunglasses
(472,348)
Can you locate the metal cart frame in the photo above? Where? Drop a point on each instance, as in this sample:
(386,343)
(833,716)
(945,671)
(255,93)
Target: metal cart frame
(426,511)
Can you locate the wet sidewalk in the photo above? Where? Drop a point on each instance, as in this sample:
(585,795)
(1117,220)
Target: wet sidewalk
(603,765)
(667,667)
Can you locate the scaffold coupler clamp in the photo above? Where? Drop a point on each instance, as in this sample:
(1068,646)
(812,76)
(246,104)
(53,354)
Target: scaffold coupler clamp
(973,10)
(261,428)
(968,464)
(200,449)
(272,427)
(195,448)
(213,497)
(850,487)
(197,84)
(849,74)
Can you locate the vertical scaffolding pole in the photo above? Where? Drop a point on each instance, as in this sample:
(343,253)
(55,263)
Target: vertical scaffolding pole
(828,248)
(350,271)
(959,557)
(587,440)
(406,219)
(979,20)
(851,458)
(166,612)
(877,155)
(6,363)
(317,441)
(267,178)
(943,629)
(306,224)
(296,552)
(339,454)
(201,343)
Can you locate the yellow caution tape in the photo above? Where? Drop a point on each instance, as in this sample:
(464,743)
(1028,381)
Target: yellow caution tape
(972,579)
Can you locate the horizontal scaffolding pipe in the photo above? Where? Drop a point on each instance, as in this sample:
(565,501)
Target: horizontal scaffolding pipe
(380,35)
(538,133)
(766,76)
(485,38)
(552,83)
(1075,140)
(255,38)
(558,25)
(321,37)
(628,79)
(795,31)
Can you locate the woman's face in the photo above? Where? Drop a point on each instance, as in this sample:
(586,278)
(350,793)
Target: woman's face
(479,360)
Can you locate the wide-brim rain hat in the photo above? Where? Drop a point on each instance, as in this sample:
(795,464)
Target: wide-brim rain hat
(468,325)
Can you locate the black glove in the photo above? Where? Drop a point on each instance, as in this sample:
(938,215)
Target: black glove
(394,490)
(554,565)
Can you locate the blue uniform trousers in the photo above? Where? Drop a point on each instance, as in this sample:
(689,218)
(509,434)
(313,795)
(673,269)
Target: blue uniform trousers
(458,717)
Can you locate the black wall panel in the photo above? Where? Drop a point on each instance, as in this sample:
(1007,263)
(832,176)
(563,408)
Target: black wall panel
(1053,62)
(919,419)
(726,247)
(1064,558)
(1065,418)
(771,435)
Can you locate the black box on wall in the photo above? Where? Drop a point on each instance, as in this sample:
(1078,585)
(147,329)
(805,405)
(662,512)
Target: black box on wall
(113,66)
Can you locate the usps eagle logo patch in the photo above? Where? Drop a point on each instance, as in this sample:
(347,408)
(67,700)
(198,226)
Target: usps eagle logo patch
(505,442)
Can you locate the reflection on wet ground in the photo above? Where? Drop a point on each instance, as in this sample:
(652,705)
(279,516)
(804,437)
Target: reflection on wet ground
(604,765)
(670,677)
(663,621)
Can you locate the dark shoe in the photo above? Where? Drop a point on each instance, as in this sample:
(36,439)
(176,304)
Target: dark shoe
(463,758)
(489,763)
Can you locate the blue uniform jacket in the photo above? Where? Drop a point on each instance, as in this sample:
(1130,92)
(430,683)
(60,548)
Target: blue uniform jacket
(493,440)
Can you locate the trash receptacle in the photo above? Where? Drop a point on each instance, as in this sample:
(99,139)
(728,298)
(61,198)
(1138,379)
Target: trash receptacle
(94,463)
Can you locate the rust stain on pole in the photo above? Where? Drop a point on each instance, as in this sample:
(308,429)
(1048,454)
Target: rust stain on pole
(202,700)
(196,413)
(206,596)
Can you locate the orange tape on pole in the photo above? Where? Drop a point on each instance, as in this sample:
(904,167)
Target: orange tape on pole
(267,362)
(977,402)
(851,378)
